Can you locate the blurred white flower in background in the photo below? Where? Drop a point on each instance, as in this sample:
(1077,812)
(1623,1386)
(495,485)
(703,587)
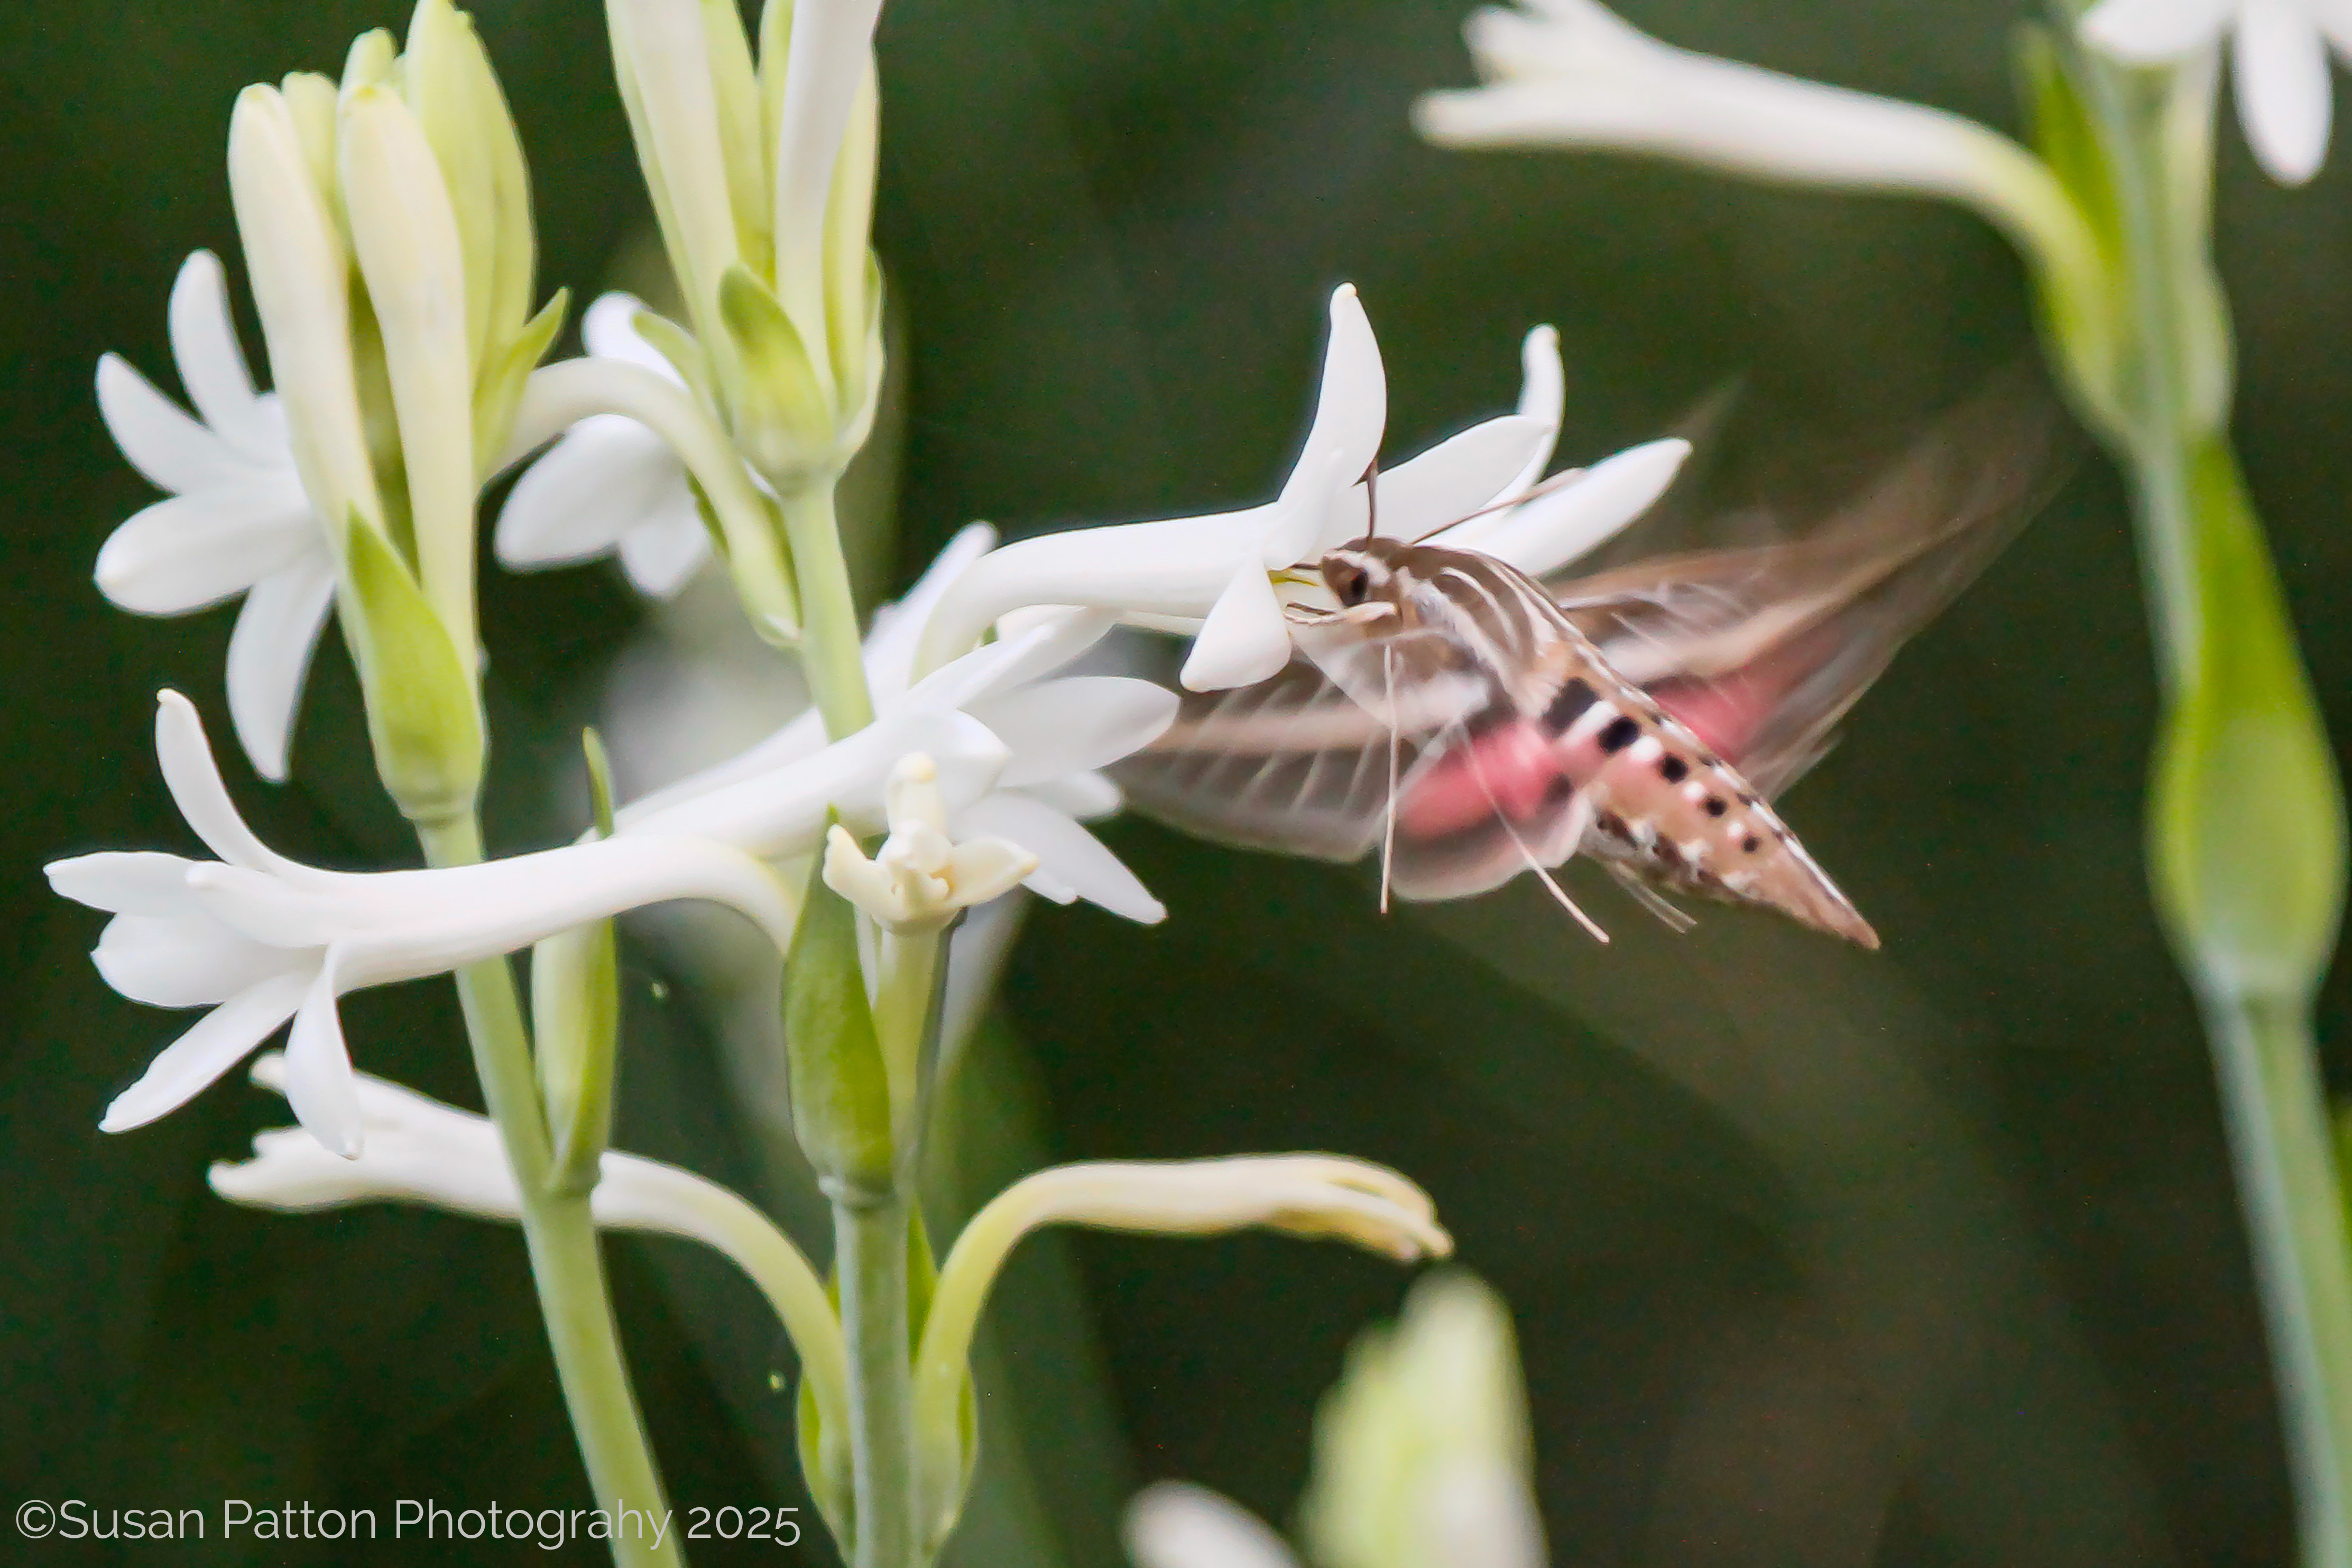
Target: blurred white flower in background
(610,486)
(2278,57)
(237,519)
(1421,1457)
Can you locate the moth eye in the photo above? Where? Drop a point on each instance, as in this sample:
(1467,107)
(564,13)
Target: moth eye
(1348,583)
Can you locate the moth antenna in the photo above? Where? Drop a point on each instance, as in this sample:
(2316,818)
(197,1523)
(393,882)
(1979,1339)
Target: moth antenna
(1388,831)
(1530,493)
(1371,482)
(1580,810)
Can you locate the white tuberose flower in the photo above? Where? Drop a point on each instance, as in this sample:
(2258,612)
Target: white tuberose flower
(1216,575)
(921,877)
(1023,766)
(2278,60)
(237,520)
(420,1151)
(1572,73)
(260,939)
(610,484)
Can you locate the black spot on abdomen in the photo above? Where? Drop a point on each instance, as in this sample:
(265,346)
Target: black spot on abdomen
(1619,734)
(1567,707)
(1673,768)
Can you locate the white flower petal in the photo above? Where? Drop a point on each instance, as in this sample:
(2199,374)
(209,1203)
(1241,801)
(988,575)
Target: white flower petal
(898,629)
(194,781)
(129,882)
(2145,31)
(319,1083)
(1172,1524)
(183,960)
(212,367)
(608,328)
(2278,72)
(1543,394)
(1245,639)
(1085,796)
(1072,725)
(198,549)
(220,1040)
(270,654)
(1066,855)
(1176,566)
(1351,408)
(1460,475)
(1541,535)
(607,475)
(662,552)
(162,442)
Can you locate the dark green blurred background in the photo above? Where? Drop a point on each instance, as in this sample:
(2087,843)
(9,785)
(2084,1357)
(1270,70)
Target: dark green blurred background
(1922,1257)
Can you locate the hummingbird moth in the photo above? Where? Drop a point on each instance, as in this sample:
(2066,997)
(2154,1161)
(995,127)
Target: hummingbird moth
(1470,722)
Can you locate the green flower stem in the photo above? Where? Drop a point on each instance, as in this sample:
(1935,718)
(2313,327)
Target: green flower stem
(906,982)
(565,1259)
(2245,812)
(830,651)
(870,1247)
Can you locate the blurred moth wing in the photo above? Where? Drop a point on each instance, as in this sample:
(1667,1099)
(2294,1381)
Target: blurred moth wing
(1470,723)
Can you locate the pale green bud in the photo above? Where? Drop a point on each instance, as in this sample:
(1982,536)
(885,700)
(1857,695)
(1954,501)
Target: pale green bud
(575,1018)
(662,58)
(2247,813)
(424,716)
(440,80)
(1422,1451)
(404,234)
(300,280)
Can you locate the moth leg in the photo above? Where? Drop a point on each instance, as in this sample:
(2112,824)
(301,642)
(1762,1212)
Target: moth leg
(1677,918)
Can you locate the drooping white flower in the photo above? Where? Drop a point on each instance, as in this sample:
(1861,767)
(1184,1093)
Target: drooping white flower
(237,520)
(1018,749)
(259,939)
(1572,73)
(609,484)
(2278,56)
(1222,576)
(1313,1195)
(419,1151)
(920,877)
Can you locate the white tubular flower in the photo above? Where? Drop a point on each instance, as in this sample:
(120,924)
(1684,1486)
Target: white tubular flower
(1223,576)
(260,939)
(921,877)
(609,484)
(419,1151)
(1316,1195)
(1017,753)
(1571,73)
(1421,1452)
(238,520)
(1174,1524)
(2278,57)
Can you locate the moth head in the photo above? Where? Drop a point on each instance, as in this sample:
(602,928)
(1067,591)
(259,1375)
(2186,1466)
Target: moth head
(1355,576)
